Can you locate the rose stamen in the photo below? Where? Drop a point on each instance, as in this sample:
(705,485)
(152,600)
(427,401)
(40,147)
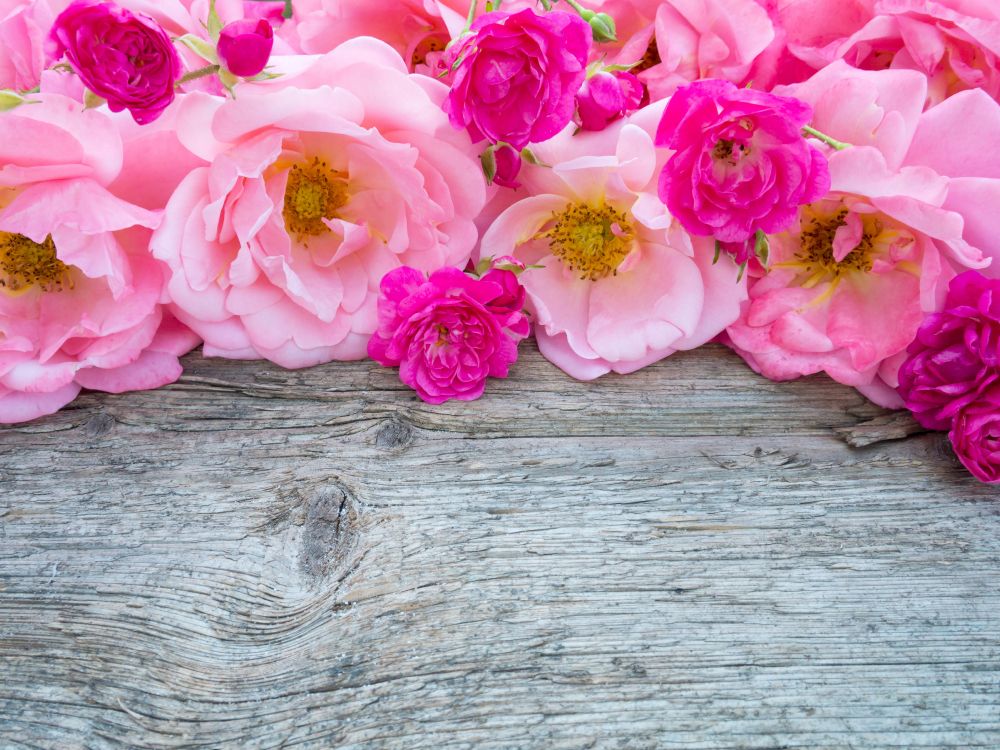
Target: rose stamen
(314,193)
(25,264)
(591,240)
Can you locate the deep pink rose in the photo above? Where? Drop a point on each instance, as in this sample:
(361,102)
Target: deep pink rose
(516,76)
(123,57)
(975,436)
(741,161)
(956,354)
(607,96)
(447,333)
(245,46)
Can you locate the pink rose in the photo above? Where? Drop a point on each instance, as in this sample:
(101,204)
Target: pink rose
(516,75)
(509,164)
(684,41)
(319,183)
(956,354)
(24,25)
(418,30)
(447,333)
(850,283)
(975,436)
(620,284)
(79,291)
(123,57)
(740,162)
(955,43)
(245,46)
(606,97)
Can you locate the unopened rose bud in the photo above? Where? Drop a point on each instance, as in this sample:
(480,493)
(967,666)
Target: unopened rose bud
(508,167)
(603,27)
(607,96)
(245,46)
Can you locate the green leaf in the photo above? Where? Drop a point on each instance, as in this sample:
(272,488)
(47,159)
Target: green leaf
(718,252)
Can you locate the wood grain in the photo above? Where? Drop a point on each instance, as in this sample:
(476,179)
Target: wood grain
(689,557)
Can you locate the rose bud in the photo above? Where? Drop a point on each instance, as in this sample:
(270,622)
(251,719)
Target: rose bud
(607,96)
(245,46)
(508,161)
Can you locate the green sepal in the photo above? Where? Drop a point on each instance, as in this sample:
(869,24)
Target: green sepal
(205,50)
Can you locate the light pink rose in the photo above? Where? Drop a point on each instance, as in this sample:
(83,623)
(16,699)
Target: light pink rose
(320,182)
(79,291)
(687,40)
(955,43)
(418,30)
(849,285)
(24,28)
(621,284)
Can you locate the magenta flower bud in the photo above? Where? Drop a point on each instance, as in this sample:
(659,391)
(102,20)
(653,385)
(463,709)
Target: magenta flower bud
(508,161)
(607,96)
(245,46)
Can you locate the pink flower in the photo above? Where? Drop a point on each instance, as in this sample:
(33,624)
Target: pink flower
(447,333)
(955,43)
(975,436)
(606,97)
(849,285)
(123,57)
(508,166)
(79,292)
(685,41)
(24,25)
(740,162)
(320,182)
(418,30)
(245,46)
(516,76)
(956,354)
(620,285)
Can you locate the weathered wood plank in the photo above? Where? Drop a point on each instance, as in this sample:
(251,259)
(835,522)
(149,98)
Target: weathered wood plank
(688,557)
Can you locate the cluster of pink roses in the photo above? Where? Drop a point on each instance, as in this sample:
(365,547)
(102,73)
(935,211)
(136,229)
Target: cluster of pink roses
(426,182)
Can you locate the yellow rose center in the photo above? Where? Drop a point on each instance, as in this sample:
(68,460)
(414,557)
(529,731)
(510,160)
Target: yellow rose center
(591,240)
(816,246)
(25,264)
(314,192)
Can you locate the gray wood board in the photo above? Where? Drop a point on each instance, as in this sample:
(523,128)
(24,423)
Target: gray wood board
(687,557)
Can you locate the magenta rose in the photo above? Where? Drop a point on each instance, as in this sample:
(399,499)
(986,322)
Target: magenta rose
(123,57)
(447,333)
(516,75)
(245,46)
(956,354)
(741,163)
(608,96)
(975,436)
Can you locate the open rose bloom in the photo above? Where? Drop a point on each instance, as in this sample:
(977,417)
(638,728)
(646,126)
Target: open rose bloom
(317,185)
(849,285)
(79,291)
(619,283)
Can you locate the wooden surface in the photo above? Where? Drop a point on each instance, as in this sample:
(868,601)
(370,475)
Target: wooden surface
(690,557)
